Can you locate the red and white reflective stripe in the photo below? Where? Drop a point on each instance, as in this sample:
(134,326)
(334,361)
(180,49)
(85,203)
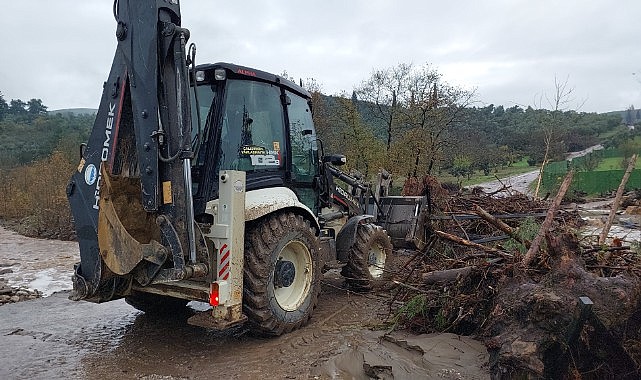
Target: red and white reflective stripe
(223,262)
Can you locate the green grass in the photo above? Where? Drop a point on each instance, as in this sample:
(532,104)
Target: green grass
(614,163)
(478,176)
(527,230)
(522,164)
(606,135)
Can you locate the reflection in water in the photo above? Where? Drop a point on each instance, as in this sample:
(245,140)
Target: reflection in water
(167,346)
(54,338)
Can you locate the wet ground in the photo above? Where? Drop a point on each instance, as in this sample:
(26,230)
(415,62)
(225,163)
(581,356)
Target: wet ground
(54,338)
(45,265)
(626,227)
(517,183)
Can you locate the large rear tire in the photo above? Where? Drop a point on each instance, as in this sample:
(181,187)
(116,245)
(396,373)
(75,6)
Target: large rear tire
(281,274)
(369,257)
(157,304)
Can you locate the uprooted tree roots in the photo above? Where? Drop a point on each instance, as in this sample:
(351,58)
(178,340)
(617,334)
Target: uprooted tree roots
(574,312)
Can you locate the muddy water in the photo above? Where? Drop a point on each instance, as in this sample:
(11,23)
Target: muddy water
(45,265)
(54,338)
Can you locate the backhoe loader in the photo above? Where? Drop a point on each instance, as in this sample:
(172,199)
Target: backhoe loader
(206,183)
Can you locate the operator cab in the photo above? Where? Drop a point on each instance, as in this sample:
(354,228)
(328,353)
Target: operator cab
(250,120)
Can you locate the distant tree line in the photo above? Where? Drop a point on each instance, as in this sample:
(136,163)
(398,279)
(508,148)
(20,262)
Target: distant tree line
(28,133)
(406,119)
(18,108)
(409,120)
(38,153)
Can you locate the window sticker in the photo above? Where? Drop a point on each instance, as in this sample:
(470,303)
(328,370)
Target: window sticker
(265,160)
(248,150)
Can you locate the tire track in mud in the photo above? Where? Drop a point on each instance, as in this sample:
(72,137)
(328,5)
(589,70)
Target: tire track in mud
(49,337)
(113,340)
(54,338)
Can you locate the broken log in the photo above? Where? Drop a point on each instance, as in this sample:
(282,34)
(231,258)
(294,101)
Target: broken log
(547,223)
(478,210)
(607,249)
(468,243)
(617,199)
(447,275)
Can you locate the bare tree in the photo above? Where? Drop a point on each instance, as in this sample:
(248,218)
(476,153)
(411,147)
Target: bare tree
(418,108)
(381,92)
(559,102)
(434,108)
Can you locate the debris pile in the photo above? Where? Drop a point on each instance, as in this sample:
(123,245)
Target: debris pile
(545,303)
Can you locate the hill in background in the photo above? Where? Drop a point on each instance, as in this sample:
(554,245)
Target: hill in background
(73,111)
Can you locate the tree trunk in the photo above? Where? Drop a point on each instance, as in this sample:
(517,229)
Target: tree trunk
(444,276)
(547,223)
(468,243)
(617,199)
(500,225)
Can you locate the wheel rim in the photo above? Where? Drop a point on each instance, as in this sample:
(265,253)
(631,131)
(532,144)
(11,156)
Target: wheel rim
(376,260)
(291,297)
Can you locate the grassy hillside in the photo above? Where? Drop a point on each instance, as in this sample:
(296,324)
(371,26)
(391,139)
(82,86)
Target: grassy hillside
(24,139)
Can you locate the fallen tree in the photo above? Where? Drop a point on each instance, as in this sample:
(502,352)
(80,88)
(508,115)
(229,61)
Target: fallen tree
(568,311)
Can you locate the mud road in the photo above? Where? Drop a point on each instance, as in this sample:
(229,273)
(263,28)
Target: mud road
(54,338)
(518,183)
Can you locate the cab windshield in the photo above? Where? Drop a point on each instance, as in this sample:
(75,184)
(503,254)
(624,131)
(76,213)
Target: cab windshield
(252,131)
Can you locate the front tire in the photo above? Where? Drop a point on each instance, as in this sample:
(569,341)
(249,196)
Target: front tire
(281,273)
(368,258)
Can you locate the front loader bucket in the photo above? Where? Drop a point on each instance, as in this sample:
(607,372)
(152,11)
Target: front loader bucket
(406,220)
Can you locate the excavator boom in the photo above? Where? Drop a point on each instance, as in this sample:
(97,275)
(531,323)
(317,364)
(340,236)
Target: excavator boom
(134,173)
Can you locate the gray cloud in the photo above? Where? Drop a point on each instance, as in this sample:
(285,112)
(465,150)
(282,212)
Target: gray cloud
(510,51)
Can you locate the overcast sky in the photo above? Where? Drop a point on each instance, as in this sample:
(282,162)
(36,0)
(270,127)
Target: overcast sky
(508,50)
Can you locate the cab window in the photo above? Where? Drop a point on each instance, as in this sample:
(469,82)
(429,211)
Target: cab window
(303,139)
(251,137)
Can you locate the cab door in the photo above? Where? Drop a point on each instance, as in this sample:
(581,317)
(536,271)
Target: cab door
(304,151)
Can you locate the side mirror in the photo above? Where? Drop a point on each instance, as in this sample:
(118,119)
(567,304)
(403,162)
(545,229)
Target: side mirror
(335,159)
(83,148)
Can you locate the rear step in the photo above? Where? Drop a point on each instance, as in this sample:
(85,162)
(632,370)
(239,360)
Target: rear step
(185,289)
(196,291)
